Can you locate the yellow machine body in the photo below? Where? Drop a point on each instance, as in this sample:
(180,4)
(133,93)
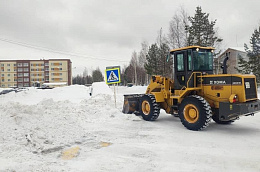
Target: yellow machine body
(225,97)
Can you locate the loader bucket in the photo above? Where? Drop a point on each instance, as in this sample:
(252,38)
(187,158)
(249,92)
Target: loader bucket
(131,103)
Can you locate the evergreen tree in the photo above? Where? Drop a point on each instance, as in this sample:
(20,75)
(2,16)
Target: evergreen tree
(152,60)
(202,32)
(244,66)
(165,62)
(97,75)
(254,54)
(156,60)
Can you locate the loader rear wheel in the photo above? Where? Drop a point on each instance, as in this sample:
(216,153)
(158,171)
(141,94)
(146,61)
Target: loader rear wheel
(195,113)
(149,109)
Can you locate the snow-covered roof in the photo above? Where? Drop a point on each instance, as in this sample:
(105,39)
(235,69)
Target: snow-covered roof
(238,48)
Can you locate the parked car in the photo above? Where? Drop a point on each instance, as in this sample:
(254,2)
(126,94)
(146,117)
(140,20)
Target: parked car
(6,91)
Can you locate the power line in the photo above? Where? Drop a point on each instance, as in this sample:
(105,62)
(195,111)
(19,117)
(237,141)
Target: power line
(56,51)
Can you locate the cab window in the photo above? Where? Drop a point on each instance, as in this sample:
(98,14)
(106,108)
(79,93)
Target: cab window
(202,60)
(180,64)
(189,60)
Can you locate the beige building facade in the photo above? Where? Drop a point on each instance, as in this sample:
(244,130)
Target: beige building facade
(27,73)
(232,62)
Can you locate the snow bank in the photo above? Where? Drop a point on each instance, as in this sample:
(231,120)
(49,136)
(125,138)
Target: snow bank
(33,95)
(38,126)
(101,88)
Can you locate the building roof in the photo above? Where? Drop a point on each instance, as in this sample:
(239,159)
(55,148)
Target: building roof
(242,49)
(238,48)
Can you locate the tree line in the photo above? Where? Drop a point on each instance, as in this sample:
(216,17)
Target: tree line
(184,30)
(85,78)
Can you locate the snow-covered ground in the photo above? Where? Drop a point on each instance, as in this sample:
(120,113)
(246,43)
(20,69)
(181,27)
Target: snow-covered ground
(64,129)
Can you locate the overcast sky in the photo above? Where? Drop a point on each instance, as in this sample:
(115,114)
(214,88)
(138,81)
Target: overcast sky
(106,32)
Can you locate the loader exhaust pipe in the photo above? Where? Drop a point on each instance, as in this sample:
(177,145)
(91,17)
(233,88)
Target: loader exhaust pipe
(224,66)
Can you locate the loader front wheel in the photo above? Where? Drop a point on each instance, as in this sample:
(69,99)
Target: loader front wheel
(149,109)
(195,113)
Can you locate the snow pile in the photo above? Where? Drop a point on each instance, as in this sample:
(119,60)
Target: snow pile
(38,126)
(33,96)
(100,88)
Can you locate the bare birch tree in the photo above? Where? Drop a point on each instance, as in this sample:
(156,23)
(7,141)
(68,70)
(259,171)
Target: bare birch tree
(177,36)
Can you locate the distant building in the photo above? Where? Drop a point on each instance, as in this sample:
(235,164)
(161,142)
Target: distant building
(26,73)
(234,54)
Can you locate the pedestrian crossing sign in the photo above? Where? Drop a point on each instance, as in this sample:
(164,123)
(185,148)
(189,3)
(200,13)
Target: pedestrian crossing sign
(113,76)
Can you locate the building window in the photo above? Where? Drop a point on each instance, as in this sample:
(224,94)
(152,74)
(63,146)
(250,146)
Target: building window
(20,74)
(25,64)
(9,80)
(26,84)
(8,70)
(8,74)
(20,65)
(15,80)
(26,79)
(26,74)
(2,65)
(15,74)
(20,79)
(3,80)
(8,64)
(14,64)
(26,69)
(3,74)
(3,85)
(20,69)
(46,64)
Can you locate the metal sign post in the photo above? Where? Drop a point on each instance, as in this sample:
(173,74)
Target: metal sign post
(113,77)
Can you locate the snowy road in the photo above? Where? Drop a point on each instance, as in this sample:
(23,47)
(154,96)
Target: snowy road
(38,128)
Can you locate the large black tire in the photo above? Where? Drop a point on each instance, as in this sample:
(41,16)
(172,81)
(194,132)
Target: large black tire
(148,108)
(215,118)
(195,113)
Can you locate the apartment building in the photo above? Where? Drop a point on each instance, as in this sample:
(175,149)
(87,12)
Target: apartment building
(26,73)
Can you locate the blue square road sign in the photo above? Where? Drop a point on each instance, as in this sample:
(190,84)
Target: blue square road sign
(113,76)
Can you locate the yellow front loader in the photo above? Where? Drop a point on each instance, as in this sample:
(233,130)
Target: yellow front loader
(196,95)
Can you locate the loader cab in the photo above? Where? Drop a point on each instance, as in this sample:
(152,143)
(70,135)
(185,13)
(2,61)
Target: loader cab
(191,59)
